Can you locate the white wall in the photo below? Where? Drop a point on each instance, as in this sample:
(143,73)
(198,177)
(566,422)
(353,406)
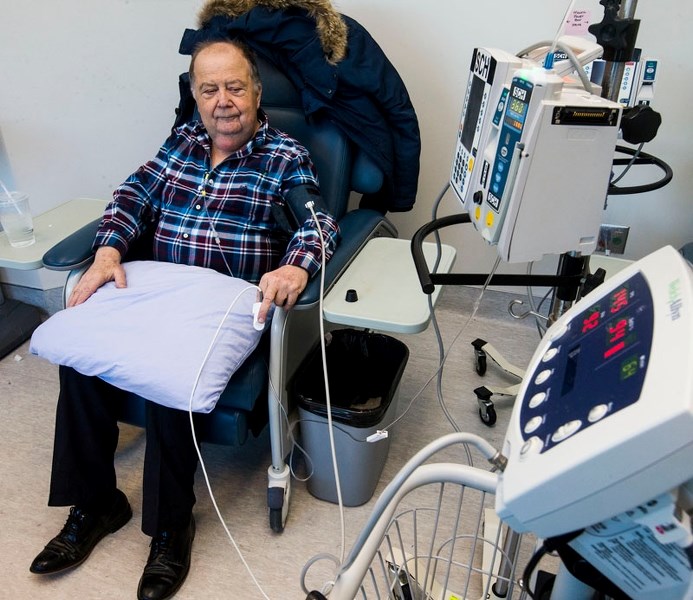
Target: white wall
(431,43)
(89,88)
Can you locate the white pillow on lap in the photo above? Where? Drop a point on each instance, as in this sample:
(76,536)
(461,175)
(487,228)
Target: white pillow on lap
(152,337)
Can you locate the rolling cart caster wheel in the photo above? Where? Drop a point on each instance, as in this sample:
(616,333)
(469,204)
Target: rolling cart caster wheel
(481,362)
(480,356)
(488,417)
(487,413)
(275,520)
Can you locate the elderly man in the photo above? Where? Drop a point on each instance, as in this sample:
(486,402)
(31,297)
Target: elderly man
(214,195)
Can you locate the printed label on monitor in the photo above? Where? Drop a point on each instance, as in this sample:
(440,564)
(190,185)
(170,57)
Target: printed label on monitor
(630,556)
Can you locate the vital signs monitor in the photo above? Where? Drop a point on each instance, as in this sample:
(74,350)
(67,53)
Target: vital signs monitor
(601,435)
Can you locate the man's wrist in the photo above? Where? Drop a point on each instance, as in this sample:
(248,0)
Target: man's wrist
(107,253)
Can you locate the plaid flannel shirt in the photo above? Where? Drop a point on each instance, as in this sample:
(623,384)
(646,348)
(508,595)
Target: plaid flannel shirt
(189,204)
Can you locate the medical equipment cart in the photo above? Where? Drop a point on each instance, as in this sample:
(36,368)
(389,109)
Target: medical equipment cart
(433,534)
(595,464)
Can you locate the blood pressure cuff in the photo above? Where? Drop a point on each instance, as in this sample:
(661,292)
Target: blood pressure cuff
(293,212)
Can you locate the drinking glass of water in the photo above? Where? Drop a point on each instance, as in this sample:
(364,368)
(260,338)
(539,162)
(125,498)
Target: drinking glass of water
(15,218)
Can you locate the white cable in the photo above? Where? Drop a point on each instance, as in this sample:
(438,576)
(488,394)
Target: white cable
(623,173)
(477,303)
(586,83)
(436,329)
(294,443)
(197,447)
(309,465)
(218,243)
(289,425)
(328,403)
(309,206)
(441,348)
(217,240)
(443,360)
(549,56)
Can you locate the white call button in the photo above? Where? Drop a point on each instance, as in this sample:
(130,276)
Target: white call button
(597,413)
(565,431)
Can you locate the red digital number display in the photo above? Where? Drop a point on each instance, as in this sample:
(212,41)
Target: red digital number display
(619,300)
(616,337)
(592,320)
(617,330)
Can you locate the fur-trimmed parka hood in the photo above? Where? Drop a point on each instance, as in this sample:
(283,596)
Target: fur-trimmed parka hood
(331,28)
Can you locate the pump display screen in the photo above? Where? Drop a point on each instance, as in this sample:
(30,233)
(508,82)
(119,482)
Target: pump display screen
(518,107)
(513,122)
(471,116)
(593,370)
(516,112)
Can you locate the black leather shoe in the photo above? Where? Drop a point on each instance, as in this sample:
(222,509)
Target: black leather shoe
(82,531)
(168,564)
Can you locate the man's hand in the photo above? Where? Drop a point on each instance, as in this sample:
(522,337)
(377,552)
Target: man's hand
(106,267)
(281,286)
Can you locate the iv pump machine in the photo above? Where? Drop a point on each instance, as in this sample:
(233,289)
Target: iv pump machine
(534,154)
(600,441)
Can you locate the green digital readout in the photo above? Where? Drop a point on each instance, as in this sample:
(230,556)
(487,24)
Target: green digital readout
(517,106)
(629,367)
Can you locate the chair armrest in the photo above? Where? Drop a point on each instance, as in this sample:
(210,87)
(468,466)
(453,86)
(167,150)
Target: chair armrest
(74,251)
(356,228)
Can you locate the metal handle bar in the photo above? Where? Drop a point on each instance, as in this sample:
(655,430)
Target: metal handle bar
(429,280)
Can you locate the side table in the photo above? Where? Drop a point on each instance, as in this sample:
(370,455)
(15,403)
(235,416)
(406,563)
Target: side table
(17,319)
(389,295)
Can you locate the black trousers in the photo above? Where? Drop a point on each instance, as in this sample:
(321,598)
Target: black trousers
(86,437)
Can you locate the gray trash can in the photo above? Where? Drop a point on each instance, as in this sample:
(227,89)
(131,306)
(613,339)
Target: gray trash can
(364,370)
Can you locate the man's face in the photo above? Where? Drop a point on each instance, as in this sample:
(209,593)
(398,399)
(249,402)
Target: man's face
(226,96)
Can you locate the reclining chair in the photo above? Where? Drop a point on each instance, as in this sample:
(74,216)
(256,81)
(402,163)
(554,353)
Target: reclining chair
(258,391)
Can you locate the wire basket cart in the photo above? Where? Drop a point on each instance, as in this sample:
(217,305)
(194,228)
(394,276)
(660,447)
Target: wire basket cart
(433,535)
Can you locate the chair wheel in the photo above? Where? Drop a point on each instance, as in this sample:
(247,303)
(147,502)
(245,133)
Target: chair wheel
(275,520)
(488,417)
